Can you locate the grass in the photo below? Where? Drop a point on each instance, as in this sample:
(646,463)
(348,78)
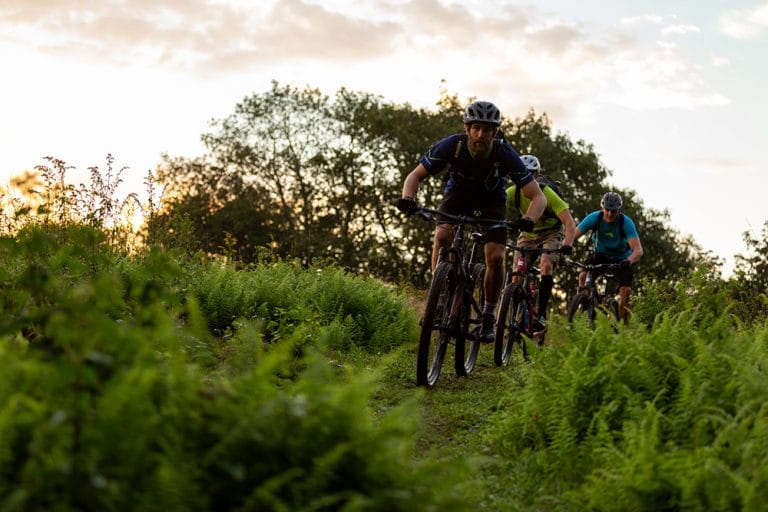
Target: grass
(453,416)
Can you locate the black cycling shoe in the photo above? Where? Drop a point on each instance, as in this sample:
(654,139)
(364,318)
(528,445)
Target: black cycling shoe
(487,329)
(539,325)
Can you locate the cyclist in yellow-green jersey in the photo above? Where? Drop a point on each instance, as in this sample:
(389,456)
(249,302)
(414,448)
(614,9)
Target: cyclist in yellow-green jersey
(555,229)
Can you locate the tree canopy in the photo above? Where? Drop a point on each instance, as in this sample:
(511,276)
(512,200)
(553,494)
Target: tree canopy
(314,177)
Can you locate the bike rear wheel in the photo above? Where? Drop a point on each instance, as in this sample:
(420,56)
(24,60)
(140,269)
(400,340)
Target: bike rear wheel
(508,325)
(467,339)
(435,329)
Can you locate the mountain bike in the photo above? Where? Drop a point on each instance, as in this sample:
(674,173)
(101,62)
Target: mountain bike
(454,305)
(518,308)
(594,296)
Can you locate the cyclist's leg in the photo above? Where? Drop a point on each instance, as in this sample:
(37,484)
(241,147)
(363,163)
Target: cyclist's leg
(495,250)
(582,280)
(443,238)
(551,240)
(526,242)
(494,273)
(452,203)
(590,260)
(625,277)
(624,293)
(522,241)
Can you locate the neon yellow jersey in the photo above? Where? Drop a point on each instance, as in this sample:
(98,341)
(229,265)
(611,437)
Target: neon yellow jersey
(549,219)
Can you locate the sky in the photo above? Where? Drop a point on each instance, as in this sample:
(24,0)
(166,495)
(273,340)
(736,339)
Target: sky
(673,95)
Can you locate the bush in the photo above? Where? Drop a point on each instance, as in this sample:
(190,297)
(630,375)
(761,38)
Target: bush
(667,418)
(115,396)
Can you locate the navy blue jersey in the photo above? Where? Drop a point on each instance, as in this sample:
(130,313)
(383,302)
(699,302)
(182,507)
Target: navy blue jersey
(476,175)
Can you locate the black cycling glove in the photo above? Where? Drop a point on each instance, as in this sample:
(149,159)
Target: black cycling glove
(407,205)
(566,250)
(625,264)
(525,224)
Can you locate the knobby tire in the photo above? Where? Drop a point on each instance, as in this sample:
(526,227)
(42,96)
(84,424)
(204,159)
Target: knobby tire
(611,309)
(508,325)
(434,338)
(467,342)
(582,306)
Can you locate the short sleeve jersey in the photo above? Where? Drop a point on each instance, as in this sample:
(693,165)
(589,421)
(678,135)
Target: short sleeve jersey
(476,175)
(549,219)
(609,241)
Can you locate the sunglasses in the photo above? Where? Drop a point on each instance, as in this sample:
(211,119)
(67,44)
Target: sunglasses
(611,211)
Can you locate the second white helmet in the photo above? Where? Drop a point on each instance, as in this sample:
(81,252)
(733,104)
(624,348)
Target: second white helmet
(531,163)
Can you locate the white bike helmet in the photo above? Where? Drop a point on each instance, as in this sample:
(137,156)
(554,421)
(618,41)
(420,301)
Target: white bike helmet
(611,201)
(482,112)
(531,163)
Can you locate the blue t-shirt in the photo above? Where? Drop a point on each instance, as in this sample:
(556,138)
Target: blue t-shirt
(609,241)
(476,175)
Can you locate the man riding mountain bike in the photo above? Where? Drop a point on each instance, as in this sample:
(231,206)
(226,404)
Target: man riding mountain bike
(615,240)
(478,165)
(555,229)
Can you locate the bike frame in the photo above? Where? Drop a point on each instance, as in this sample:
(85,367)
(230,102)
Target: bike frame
(519,305)
(463,268)
(528,287)
(594,297)
(456,276)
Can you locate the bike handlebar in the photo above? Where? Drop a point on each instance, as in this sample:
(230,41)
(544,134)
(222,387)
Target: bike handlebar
(429,214)
(533,250)
(593,267)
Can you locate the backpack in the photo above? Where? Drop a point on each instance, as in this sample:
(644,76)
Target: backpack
(543,181)
(619,219)
(492,175)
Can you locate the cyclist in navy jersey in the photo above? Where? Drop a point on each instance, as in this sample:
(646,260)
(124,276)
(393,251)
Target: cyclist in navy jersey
(615,240)
(479,165)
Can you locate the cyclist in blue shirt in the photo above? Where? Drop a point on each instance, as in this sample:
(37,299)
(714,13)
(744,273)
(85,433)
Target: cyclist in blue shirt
(478,165)
(615,240)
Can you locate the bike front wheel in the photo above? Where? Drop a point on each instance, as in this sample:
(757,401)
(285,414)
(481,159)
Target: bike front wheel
(582,307)
(611,309)
(508,325)
(467,339)
(435,327)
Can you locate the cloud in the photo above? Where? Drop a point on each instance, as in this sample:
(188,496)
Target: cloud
(556,39)
(745,23)
(680,29)
(660,78)
(521,55)
(295,29)
(643,18)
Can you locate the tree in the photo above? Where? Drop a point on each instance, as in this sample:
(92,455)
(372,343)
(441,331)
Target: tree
(315,177)
(584,180)
(749,283)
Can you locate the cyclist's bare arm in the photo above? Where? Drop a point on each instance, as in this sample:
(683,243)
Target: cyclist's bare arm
(570,226)
(637,249)
(412,181)
(538,201)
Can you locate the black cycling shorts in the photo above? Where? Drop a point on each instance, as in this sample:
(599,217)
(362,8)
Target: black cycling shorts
(485,205)
(623,275)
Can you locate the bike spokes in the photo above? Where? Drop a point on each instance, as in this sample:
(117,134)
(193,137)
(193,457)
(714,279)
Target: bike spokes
(435,329)
(467,340)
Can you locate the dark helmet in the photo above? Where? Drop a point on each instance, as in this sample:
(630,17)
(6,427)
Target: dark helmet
(611,201)
(482,112)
